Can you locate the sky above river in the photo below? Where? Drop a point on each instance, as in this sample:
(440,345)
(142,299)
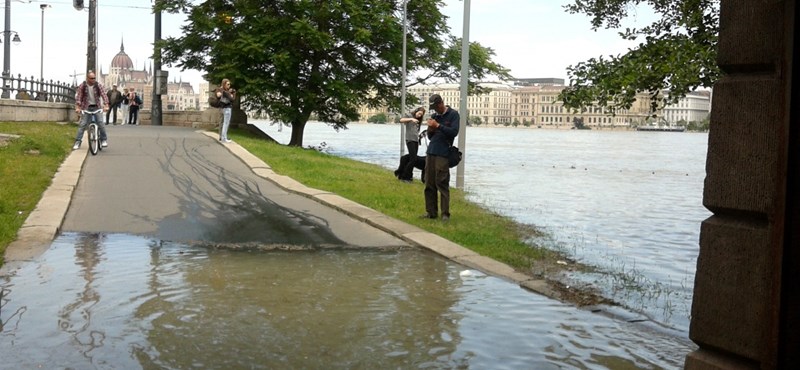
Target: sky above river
(534,38)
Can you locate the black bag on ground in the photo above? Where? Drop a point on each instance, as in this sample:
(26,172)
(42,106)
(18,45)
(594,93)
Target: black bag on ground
(454,156)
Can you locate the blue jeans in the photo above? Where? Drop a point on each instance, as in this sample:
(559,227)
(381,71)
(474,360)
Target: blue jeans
(226,121)
(98,117)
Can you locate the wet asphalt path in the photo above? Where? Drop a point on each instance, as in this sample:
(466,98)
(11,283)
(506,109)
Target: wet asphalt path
(179,184)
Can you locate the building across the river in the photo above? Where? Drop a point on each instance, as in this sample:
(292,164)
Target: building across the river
(533,102)
(180,95)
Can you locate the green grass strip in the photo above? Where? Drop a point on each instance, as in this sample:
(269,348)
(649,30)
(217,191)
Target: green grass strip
(27,166)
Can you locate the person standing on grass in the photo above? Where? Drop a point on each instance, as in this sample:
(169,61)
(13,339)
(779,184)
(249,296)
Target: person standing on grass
(442,130)
(412,122)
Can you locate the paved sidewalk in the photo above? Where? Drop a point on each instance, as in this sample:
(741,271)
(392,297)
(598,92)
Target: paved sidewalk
(183,185)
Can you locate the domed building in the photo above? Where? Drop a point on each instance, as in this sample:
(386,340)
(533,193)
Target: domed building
(123,73)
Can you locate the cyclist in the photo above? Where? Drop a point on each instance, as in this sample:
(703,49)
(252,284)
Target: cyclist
(89,96)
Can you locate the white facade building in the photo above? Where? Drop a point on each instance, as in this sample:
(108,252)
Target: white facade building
(694,107)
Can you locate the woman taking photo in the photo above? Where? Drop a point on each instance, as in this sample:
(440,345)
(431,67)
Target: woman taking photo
(226,95)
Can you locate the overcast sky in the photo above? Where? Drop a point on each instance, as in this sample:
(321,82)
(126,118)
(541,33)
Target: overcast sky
(534,38)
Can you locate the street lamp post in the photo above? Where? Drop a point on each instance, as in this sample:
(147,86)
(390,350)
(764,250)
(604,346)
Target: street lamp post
(41,59)
(462,111)
(7,51)
(403,93)
(160,78)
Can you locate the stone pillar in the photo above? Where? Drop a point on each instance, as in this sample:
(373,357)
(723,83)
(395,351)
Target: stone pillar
(745,302)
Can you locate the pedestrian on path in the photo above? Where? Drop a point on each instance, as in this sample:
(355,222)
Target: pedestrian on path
(124,106)
(114,100)
(226,96)
(134,101)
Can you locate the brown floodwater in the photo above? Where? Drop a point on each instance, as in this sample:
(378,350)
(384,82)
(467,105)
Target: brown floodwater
(126,302)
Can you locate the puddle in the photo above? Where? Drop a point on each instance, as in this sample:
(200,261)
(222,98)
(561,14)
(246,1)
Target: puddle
(122,301)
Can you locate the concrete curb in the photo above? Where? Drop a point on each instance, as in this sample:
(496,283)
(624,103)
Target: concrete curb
(44,222)
(406,232)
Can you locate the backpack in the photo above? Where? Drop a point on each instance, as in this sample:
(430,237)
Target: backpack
(454,156)
(213,101)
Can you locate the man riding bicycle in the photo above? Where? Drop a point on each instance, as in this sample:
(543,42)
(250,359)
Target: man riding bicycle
(90,96)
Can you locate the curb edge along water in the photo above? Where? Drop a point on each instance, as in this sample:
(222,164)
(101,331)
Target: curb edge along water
(44,222)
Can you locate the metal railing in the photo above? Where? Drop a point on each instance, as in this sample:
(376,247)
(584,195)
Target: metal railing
(22,88)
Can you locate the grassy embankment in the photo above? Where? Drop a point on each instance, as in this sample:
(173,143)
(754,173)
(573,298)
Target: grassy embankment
(471,226)
(27,166)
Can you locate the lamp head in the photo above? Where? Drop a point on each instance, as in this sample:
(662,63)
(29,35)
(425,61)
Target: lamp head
(16,39)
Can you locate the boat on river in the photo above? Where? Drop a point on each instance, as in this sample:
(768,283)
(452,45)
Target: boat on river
(661,128)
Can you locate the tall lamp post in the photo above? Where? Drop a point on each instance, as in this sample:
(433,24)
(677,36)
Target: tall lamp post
(160,77)
(403,93)
(462,111)
(7,51)
(41,60)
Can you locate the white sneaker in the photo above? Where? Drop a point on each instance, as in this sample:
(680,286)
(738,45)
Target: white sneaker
(104,144)
(228,141)
(77,145)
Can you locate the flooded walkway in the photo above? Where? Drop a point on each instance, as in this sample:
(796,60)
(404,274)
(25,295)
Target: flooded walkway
(174,253)
(126,302)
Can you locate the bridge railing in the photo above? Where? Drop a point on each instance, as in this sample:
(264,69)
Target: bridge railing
(22,88)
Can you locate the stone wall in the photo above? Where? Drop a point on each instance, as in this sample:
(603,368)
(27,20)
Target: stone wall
(206,119)
(36,111)
(740,316)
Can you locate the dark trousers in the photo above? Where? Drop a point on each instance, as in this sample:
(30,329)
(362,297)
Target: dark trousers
(108,114)
(133,114)
(407,172)
(437,183)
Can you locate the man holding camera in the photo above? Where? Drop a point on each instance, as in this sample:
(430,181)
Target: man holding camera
(443,128)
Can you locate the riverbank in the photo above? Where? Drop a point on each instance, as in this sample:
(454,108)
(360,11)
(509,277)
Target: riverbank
(472,226)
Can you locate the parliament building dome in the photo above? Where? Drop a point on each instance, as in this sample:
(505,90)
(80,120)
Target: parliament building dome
(121,60)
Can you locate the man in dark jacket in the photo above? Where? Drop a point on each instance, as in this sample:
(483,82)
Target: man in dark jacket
(442,130)
(135,102)
(114,100)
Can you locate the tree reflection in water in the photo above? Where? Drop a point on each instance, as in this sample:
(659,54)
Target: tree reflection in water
(76,318)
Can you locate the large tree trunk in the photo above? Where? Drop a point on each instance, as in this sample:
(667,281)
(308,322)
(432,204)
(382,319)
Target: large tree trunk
(297,133)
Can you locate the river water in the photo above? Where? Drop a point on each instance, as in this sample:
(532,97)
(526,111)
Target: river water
(626,202)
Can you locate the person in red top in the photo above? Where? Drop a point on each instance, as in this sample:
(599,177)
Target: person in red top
(90,96)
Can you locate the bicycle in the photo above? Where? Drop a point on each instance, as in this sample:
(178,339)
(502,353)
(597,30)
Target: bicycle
(94,132)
